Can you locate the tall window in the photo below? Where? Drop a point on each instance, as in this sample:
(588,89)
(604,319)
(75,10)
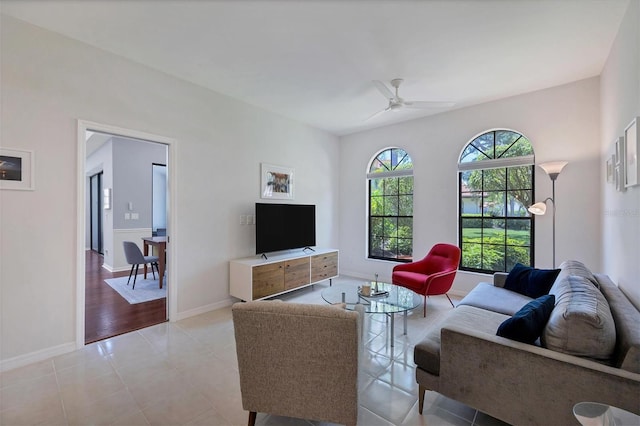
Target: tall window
(390,180)
(495,189)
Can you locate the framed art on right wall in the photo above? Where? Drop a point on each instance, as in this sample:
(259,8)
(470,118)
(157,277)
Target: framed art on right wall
(609,169)
(631,148)
(618,163)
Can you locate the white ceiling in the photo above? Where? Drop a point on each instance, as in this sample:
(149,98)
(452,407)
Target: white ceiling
(314,61)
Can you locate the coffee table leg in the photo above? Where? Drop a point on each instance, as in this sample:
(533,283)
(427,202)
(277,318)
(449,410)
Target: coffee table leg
(405,323)
(392,327)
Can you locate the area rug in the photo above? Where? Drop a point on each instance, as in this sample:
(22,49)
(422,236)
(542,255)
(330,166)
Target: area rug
(145,290)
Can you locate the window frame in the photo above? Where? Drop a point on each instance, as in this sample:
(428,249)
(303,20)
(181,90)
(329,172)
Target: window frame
(506,164)
(389,174)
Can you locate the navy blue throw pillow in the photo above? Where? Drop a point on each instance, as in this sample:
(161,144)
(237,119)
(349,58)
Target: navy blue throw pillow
(530,281)
(527,324)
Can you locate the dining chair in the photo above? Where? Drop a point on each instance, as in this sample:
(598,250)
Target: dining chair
(135,258)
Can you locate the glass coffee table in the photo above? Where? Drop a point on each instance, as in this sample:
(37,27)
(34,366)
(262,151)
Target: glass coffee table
(394,300)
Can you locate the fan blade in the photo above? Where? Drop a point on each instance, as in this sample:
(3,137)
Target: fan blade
(384,90)
(427,104)
(377,114)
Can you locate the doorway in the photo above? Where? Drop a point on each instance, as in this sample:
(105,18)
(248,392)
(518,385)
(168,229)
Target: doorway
(115,210)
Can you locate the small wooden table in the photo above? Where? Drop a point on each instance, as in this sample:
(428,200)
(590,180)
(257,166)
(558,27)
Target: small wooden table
(161,244)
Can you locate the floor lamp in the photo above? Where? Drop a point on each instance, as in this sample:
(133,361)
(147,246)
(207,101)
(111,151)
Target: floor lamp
(552,169)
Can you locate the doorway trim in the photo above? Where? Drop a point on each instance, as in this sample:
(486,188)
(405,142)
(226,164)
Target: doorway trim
(172,297)
(96,202)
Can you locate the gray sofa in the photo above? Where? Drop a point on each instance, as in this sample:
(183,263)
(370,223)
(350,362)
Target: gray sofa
(589,351)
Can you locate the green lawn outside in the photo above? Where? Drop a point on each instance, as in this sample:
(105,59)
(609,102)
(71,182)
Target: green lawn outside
(474,235)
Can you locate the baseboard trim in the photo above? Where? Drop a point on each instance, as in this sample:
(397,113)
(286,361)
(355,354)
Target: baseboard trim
(457,293)
(353,274)
(203,309)
(37,356)
(112,269)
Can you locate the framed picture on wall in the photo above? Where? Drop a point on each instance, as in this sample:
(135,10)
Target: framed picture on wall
(619,178)
(619,150)
(276,182)
(16,169)
(609,169)
(631,148)
(618,163)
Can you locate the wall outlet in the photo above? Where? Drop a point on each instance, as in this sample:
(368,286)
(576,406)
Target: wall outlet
(127,216)
(135,216)
(243,219)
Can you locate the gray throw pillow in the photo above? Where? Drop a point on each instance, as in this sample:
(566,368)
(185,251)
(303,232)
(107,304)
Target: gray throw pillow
(581,323)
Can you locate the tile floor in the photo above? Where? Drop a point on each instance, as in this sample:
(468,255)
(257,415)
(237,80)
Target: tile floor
(185,373)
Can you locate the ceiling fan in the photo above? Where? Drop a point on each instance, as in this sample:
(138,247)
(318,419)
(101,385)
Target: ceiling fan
(396,103)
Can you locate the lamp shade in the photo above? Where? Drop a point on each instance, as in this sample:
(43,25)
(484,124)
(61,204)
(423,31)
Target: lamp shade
(538,208)
(553,168)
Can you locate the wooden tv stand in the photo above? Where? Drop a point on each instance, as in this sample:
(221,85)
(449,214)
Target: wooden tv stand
(254,278)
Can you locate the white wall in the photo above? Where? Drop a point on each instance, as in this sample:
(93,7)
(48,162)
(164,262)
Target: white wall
(562,123)
(132,180)
(620,103)
(48,82)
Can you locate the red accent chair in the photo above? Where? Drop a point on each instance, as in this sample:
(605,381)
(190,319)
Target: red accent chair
(432,275)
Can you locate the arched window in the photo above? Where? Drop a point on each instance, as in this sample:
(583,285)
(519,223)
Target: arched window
(495,189)
(390,181)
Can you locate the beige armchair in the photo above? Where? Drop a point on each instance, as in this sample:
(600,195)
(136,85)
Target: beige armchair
(298,360)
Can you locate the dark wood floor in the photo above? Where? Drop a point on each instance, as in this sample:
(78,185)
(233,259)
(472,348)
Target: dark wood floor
(108,314)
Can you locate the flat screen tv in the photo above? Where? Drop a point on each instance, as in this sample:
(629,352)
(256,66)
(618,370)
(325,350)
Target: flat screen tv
(284,226)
